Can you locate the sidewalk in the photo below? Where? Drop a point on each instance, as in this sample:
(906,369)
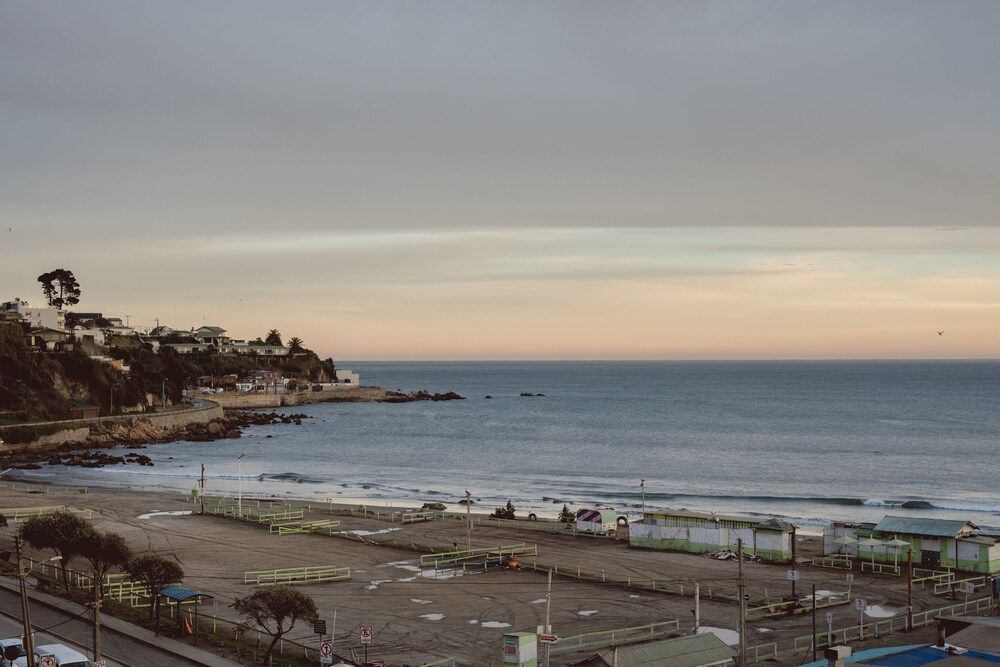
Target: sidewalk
(169,648)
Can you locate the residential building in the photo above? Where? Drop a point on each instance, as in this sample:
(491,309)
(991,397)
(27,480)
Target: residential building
(83,410)
(89,335)
(48,339)
(210,334)
(702,532)
(188,348)
(347,376)
(37,318)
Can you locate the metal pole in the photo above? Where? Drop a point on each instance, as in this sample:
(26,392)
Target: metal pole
(29,641)
(793,563)
(743,605)
(642,487)
(97,618)
(697,606)
(468,517)
(909,587)
(548,609)
(239,477)
(814,622)
(201,497)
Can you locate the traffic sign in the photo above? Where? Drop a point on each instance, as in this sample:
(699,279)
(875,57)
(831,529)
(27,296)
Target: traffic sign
(47,661)
(746,597)
(547,639)
(860,604)
(970,588)
(319,626)
(850,577)
(366,634)
(793,575)
(829,618)
(326,652)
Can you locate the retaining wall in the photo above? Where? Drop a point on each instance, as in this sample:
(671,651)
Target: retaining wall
(353,394)
(76,430)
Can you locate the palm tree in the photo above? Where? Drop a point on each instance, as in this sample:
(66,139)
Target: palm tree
(295,344)
(273,337)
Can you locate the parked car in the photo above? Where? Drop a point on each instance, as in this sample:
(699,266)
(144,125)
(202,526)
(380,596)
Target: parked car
(16,648)
(64,656)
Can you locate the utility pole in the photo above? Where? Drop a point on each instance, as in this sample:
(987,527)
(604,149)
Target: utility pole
(468,517)
(29,640)
(794,567)
(814,621)
(742,588)
(697,606)
(642,489)
(548,609)
(201,484)
(98,586)
(909,588)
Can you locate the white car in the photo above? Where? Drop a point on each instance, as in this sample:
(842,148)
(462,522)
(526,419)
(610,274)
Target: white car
(63,656)
(13,642)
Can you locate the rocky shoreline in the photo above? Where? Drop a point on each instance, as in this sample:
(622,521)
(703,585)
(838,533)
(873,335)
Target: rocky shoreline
(135,434)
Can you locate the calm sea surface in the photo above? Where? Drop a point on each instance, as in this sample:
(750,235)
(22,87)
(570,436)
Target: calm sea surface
(807,440)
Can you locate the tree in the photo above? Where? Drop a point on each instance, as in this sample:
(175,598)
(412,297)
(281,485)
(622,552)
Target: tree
(278,607)
(60,288)
(295,344)
(565,515)
(504,512)
(104,551)
(273,338)
(156,573)
(62,532)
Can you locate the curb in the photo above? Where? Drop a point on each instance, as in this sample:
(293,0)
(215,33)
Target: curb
(110,623)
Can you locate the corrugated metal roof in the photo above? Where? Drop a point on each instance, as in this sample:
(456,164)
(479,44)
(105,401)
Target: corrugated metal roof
(919,526)
(688,651)
(776,524)
(711,516)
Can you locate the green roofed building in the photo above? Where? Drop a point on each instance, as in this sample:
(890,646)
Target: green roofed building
(944,543)
(700,650)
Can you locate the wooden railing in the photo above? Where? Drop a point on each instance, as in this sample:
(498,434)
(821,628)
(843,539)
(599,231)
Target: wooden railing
(616,637)
(297,575)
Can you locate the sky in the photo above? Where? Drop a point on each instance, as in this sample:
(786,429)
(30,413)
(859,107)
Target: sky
(514,180)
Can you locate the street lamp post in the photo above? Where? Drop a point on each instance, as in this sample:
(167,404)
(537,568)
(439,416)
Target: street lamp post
(239,478)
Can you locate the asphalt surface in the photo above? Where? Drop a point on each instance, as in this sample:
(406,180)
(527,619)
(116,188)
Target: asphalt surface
(57,627)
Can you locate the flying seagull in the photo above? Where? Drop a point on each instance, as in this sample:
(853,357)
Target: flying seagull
(940,333)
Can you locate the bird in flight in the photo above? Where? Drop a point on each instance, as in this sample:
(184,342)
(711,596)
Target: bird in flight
(940,333)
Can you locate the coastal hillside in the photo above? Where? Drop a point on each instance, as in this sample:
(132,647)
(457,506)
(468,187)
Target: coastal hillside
(36,384)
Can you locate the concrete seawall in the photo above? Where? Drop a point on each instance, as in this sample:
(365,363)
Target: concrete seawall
(346,394)
(76,430)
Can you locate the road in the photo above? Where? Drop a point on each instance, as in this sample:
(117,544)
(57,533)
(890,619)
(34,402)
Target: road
(58,627)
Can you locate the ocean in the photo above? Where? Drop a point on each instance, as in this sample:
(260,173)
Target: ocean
(809,441)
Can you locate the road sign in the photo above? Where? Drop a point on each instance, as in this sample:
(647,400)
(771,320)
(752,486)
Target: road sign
(47,661)
(326,652)
(793,575)
(860,604)
(970,588)
(850,578)
(547,639)
(746,597)
(366,634)
(829,618)
(319,626)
